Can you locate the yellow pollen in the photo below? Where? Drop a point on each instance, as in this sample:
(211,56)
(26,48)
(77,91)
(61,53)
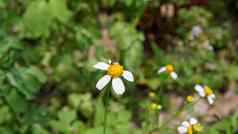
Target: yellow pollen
(115,70)
(190,99)
(190,129)
(208,91)
(169,68)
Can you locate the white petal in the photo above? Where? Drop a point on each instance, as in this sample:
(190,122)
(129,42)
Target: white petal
(101,66)
(128,76)
(118,86)
(200,90)
(103,82)
(193,121)
(162,69)
(210,100)
(213,96)
(174,75)
(185,124)
(182,129)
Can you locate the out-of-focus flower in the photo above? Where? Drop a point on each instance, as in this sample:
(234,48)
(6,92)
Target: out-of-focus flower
(151,94)
(169,69)
(190,127)
(196,30)
(154,107)
(167,10)
(114,72)
(207,45)
(190,99)
(206,91)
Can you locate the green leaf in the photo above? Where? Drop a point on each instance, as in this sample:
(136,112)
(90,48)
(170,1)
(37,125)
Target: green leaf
(130,42)
(37,19)
(67,116)
(27,80)
(128,2)
(5,114)
(9,52)
(37,129)
(36,114)
(64,122)
(16,101)
(6,130)
(59,10)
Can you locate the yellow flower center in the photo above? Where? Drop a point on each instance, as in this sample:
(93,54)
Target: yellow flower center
(115,70)
(190,99)
(190,129)
(208,91)
(169,68)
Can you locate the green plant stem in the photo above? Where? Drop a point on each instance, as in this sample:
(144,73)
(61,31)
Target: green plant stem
(158,112)
(146,130)
(106,110)
(148,124)
(157,119)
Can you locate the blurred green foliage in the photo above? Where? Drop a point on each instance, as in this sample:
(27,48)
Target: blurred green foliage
(48,48)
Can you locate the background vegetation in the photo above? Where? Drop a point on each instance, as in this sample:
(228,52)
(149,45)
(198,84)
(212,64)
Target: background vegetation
(48,49)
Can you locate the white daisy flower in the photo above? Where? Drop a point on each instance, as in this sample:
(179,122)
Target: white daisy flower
(114,71)
(169,69)
(189,127)
(205,91)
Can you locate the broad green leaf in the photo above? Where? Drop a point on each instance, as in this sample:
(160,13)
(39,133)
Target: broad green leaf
(67,116)
(27,80)
(16,101)
(65,120)
(9,52)
(130,43)
(37,19)
(59,10)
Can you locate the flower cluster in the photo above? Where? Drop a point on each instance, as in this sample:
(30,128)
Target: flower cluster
(115,71)
(191,126)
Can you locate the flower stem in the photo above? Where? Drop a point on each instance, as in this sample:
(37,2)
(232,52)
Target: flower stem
(158,119)
(106,110)
(148,122)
